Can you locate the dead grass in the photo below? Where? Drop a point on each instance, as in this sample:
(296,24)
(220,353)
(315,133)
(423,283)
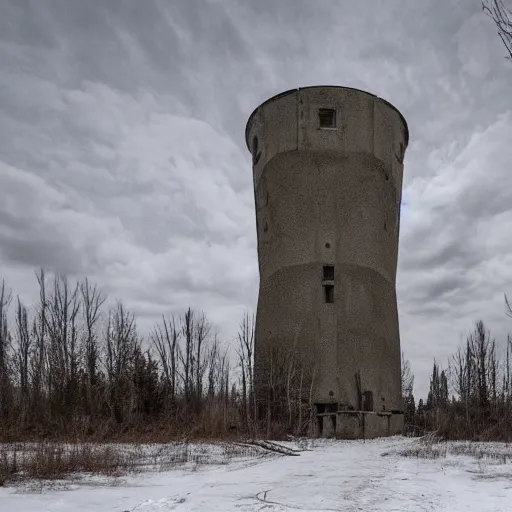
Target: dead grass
(56,460)
(433,447)
(7,468)
(51,461)
(424,452)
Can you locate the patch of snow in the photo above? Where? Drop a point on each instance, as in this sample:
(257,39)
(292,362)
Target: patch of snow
(329,476)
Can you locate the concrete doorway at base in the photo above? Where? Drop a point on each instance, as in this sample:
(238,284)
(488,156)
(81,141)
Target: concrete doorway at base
(326,419)
(319,426)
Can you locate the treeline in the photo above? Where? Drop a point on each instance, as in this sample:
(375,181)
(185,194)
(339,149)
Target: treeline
(72,367)
(469,399)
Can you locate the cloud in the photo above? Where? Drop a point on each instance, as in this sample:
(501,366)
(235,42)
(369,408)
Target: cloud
(122,154)
(455,255)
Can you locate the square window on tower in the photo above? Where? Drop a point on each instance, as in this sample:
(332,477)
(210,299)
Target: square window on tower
(329,293)
(327,118)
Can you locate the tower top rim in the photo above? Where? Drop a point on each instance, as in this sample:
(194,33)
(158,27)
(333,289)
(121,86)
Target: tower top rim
(297,89)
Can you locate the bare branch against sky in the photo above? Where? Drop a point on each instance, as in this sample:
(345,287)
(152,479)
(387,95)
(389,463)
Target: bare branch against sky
(502,17)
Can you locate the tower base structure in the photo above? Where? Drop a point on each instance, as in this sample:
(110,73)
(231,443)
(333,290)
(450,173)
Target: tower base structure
(358,424)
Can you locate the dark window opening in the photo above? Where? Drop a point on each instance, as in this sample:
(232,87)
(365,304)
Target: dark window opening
(255,153)
(327,245)
(328,273)
(329,293)
(327,117)
(368,401)
(385,226)
(330,408)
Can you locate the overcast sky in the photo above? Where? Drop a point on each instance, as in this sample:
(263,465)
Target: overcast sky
(122,153)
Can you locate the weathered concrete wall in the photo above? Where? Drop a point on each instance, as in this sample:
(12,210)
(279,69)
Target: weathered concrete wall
(330,196)
(367,425)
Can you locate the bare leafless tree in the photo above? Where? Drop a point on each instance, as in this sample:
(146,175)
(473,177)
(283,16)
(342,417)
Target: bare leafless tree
(407,377)
(202,333)
(38,356)
(5,345)
(120,344)
(458,371)
(482,347)
(63,347)
(165,338)
(507,386)
(502,17)
(245,352)
(214,358)
(92,300)
(23,349)
(186,354)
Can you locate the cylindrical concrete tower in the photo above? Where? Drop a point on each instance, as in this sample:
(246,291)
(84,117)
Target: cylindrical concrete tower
(327,166)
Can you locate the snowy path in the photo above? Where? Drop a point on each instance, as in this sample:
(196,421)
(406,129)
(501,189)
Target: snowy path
(336,476)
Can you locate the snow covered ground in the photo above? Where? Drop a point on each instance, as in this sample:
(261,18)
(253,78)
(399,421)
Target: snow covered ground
(331,476)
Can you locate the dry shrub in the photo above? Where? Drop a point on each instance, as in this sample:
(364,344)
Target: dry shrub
(479,451)
(276,431)
(432,446)
(50,461)
(8,467)
(452,424)
(424,452)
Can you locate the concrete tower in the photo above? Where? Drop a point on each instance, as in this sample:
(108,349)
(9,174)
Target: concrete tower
(327,167)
